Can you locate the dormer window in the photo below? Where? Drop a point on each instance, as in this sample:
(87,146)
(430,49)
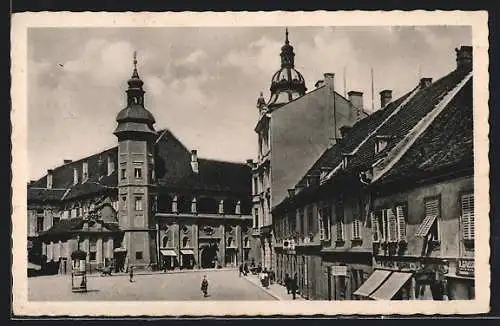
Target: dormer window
(345,160)
(381,143)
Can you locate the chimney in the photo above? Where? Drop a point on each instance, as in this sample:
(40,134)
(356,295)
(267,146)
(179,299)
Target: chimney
(194,160)
(385,97)
(49,178)
(75,176)
(425,82)
(67,161)
(344,130)
(356,99)
(464,58)
(329,80)
(111,165)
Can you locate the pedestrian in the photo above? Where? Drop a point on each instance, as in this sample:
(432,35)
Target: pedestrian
(241,270)
(131,273)
(287,283)
(204,286)
(245,269)
(294,286)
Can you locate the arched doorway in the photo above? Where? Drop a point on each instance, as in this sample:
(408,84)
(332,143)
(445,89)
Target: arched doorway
(208,256)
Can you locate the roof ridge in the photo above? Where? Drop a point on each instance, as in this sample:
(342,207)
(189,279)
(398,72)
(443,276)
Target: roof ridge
(395,154)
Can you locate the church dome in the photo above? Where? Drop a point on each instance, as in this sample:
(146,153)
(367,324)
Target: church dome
(287,83)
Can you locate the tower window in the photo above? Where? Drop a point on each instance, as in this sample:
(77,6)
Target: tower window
(123,173)
(138,173)
(39,224)
(138,203)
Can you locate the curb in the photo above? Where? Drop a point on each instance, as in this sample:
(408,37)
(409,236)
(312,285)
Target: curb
(163,273)
(263,289)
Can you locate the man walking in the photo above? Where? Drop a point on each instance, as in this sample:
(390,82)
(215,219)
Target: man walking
(204,286)
(131,273)
(287,283)
(294,286)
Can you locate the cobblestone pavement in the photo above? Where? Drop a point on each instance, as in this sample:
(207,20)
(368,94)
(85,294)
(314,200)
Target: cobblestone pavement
(223,285)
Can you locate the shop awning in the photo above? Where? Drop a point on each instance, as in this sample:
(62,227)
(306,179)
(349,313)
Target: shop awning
(120,250)
(372,283)
(187,252)
(391,286)
(34,266)
(168,252)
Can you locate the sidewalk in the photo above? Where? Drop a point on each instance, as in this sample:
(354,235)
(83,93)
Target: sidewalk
(275,290)
(176,271)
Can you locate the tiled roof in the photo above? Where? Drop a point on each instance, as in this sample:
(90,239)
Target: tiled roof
(405,119)
(45,195)
(75,225)
(173,169)
(359,131)
(397,126)
(447,142)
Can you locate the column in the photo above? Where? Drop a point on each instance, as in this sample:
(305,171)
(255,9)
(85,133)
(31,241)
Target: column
(85,247)
(99,251)
(109,248)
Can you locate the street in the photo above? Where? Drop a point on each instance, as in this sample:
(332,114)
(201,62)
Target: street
(223,285)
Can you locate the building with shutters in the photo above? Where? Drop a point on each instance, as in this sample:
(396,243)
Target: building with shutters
(391,204)
(293,124)
(148,202)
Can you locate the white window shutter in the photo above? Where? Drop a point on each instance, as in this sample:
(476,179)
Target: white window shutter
(375,227)
(355,228)
(320,224)
(392,227)
(468,227)
(400,214)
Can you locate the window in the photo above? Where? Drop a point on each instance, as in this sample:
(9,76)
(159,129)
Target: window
(324,223)
(376,232)
(185,242)
(138,173)
(432,209)
(310,219)
(123,172)
(246,243)
(55,220)
(339,222)
(256,217)
(138,255)
(401,222)
(138,203)
(165,241)
(468,227)
(356,225)
(255,186)
(92,250)
(39,211)
(39,224)
(124,203)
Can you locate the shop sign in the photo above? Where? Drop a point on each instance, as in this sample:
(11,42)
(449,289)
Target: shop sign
(339,270)
(465,267)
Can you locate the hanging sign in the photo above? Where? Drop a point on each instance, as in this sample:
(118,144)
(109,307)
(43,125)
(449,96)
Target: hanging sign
(465,267)
(339,270)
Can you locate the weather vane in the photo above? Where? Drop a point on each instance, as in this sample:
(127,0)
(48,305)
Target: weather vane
(135,59)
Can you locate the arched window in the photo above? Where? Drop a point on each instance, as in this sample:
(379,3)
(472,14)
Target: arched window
(185,242)
(165,241)
(246,242)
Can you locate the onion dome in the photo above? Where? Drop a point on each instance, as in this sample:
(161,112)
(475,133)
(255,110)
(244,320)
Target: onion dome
(135,118)
(287,84)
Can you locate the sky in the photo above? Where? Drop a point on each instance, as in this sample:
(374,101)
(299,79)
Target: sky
(203,83)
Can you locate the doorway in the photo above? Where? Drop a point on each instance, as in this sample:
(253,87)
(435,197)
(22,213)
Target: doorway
(208,257)
(120,261)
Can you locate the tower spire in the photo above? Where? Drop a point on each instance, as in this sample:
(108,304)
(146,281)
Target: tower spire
(286,36)
(135,74)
